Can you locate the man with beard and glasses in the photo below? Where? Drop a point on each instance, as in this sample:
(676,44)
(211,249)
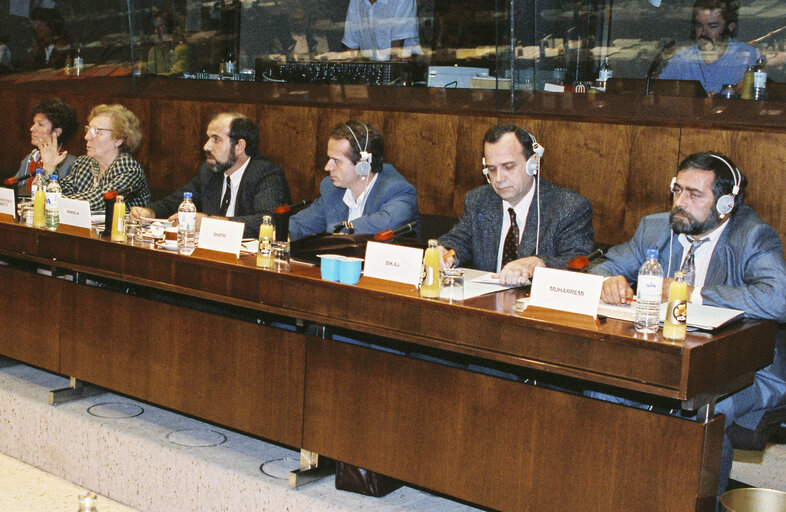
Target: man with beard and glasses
(234,182)
(738,263)
(715,59)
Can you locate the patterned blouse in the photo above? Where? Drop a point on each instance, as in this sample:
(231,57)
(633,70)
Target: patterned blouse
(125,175)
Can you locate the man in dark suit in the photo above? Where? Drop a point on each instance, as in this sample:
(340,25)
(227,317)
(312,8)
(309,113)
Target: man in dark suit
(234,182)
(517,221)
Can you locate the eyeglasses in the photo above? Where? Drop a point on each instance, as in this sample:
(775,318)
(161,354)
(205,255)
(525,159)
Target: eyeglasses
(95,132)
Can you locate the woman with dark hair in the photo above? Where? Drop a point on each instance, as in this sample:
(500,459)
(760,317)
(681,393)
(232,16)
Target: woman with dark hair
(54,122)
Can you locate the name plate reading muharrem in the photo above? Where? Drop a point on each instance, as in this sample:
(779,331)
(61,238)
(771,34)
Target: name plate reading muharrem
(221,235)
(393,262)
(566,291)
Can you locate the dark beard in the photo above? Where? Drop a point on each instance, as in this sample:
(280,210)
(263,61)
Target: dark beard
(693,227)
(220,167)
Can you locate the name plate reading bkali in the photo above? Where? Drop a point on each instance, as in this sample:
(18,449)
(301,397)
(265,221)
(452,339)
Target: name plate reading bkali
(566,291)
(393,262)
(221,235)
(74,212)
(7,206)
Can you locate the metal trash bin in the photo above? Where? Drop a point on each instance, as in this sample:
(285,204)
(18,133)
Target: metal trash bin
(753,499)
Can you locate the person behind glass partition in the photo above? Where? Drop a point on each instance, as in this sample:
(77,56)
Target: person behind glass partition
(235,181)
(170,53)
(54,122)
(111,135)
(5,54)
(715,58)
(381,28)
(50,44)
(361,194)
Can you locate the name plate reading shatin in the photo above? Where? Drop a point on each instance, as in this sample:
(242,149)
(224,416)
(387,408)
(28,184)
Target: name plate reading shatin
(74,212)
(7,206)
(221,235)
(393,262)
(566,291)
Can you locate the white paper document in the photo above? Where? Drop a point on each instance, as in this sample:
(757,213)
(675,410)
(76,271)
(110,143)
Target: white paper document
(479,282)
(700,316)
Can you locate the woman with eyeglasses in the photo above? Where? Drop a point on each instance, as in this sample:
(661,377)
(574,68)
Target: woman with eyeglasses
(54,122)
(112,134)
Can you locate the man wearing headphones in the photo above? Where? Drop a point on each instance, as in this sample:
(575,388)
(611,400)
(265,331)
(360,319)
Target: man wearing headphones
(517,221)
(716,59)
(737,260)
(361,194)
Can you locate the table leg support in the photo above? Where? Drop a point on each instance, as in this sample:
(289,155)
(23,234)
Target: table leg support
(75,391)
(311,469)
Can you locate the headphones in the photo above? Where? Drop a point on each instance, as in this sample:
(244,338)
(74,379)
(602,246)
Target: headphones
(725,203)
(363,166)
(533,162)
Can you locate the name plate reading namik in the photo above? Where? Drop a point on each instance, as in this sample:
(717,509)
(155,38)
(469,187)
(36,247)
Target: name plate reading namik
(74,212)
(221,235)
(393,262)
(7,206)
(566,291)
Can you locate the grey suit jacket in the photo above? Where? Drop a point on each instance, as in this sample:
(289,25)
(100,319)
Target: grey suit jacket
(746,271)
(263,187)
(565,228)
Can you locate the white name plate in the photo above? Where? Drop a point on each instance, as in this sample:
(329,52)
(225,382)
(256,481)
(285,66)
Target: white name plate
(221,235)
(393,262)
(74,212)
(7,205)
(563,290)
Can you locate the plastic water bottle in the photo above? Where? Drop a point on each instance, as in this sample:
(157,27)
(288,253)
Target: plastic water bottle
(52,200)
(186,225)
(648,295)
(760,79)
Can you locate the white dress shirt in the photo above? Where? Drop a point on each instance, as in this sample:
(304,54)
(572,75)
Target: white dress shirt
(356,207)
(234,180)
(521,209)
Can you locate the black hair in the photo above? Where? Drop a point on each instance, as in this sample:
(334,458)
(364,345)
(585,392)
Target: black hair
(60,114)
(721,166)
(375,144)
(242,127)
(728,9)
(495,133)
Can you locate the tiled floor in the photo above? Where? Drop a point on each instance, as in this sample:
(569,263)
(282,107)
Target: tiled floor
(24,488)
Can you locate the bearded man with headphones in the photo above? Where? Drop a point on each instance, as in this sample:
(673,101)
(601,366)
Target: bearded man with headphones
(716,58)
(361,193)
(549,226)
(738,262)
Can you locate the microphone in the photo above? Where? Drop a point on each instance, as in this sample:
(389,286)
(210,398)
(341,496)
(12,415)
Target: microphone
(655,63)
(581,263)
(14,180)
(389,234)
(291,208)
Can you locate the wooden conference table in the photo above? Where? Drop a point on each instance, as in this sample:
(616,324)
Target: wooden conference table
(200,336)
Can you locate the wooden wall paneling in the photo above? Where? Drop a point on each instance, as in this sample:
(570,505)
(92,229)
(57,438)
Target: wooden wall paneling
(423,149)
(289,138)
(228,371)
(30,317)
(174,140)
(469,157)
(760,156)
(503,444)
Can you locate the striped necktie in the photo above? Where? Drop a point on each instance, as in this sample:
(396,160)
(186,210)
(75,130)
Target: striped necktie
(689,265)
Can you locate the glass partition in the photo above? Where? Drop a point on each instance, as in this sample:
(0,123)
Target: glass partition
(634,47)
